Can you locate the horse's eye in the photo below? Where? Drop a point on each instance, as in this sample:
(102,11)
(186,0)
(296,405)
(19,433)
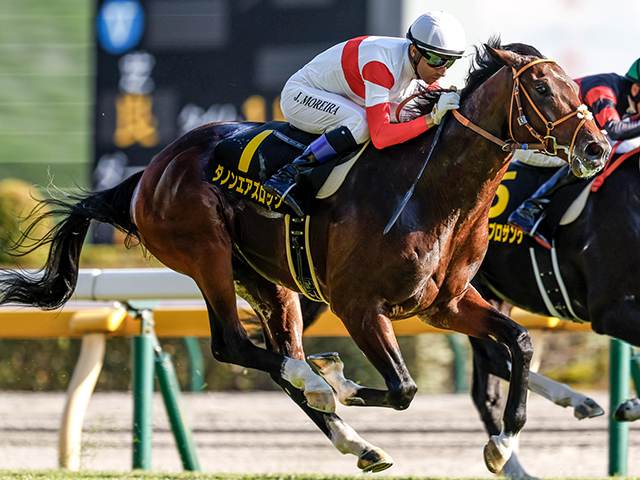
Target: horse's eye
(543,89)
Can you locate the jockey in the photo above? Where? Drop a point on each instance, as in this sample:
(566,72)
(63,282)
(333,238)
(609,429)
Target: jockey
(614,101)
(348,92)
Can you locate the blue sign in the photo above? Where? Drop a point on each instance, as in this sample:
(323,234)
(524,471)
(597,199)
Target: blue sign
(120,24)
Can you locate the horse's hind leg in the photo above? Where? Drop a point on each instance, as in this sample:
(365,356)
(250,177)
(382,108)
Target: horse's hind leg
(232,345)
(279,310)
(188,234)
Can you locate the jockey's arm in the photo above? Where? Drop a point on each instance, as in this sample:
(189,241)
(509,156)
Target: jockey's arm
(378,81)
(606,115)
(621,130)
(384,133)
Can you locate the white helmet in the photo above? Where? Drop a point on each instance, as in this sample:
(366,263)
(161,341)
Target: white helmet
(438,32)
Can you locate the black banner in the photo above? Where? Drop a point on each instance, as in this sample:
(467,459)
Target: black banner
(164,67)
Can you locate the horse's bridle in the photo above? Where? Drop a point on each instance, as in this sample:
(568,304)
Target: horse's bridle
(548,143)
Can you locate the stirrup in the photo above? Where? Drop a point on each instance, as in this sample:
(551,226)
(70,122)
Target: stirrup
(537,224)
(293,203)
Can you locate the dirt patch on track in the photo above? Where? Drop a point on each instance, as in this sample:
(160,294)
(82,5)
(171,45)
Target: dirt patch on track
(439,435)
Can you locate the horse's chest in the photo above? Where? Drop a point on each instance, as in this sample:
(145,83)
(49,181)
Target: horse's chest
(448,268)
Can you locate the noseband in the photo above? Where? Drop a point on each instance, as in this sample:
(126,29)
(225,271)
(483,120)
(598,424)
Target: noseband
(548,143)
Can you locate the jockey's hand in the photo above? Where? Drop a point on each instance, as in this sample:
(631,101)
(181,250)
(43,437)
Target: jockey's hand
(447,101)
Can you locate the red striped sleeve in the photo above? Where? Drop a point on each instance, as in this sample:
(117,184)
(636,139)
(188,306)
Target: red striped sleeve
(600,93)
(384,133)
(606,114)
(350,66)
(378,73)
(605,109)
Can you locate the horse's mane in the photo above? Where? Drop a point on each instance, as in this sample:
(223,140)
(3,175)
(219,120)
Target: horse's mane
(482,67)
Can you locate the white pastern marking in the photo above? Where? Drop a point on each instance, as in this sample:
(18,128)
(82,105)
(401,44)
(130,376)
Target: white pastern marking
(344,387)
(504,443)
(346,440)
(300,375)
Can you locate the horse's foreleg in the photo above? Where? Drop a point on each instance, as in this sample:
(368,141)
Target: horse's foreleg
(470,314)
(342,436)
(373,334)
(279,310)
(330,367)
(486,387)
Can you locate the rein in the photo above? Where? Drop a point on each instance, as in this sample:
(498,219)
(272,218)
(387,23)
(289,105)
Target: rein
(548,143)
(610,167)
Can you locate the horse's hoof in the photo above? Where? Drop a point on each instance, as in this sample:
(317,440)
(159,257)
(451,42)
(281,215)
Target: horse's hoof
(324,362)
(374,460)
(628,411)
(587,409)
(321,400)
(493,458)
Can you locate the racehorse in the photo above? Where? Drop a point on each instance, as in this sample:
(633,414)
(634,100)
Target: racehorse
(422,266)
(597,267)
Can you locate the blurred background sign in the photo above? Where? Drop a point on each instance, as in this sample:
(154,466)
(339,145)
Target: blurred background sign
(70,70)
(164,67)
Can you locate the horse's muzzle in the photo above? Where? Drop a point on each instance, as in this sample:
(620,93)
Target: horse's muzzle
(589,158)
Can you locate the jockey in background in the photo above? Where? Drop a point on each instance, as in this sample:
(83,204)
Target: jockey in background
(614,101)
(349,92)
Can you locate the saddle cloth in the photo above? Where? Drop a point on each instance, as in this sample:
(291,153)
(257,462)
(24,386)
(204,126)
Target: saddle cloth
(518,184)
(243,162)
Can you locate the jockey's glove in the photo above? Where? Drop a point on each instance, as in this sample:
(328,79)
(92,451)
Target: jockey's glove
(447,101)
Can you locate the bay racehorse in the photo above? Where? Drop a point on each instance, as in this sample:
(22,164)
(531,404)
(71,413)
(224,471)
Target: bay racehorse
(597,265)
(422,266)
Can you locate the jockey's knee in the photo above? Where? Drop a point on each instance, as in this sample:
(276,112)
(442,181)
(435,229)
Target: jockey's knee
(359,128)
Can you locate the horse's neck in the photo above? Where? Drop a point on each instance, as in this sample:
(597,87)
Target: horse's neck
(471,164)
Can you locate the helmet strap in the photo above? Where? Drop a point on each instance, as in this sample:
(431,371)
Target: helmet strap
(415,60)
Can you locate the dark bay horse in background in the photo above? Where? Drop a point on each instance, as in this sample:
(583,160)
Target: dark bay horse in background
(422,266)
(599,265)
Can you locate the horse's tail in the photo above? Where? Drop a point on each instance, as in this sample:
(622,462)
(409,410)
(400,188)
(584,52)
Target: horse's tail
(55,283)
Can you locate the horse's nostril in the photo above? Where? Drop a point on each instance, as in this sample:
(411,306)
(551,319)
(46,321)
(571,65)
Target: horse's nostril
(594,151)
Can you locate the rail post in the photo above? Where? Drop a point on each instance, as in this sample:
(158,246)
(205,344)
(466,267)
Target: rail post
(619,375)
(142,384)
(196,364)
(458,344)
(635,371)
(170,389)
(147,353)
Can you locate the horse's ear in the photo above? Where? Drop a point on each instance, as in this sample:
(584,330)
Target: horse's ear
(505,57)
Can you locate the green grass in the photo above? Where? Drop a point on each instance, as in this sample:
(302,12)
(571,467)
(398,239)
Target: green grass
(45,90)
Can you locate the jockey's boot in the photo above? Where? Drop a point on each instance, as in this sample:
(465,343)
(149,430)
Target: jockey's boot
(283,184)
(527,217)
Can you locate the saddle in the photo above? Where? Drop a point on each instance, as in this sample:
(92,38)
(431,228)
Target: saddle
(242,163)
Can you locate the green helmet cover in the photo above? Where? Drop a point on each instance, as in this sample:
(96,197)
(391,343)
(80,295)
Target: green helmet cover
(634,72)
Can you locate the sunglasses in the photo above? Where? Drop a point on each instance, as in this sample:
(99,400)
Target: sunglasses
(436,61)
